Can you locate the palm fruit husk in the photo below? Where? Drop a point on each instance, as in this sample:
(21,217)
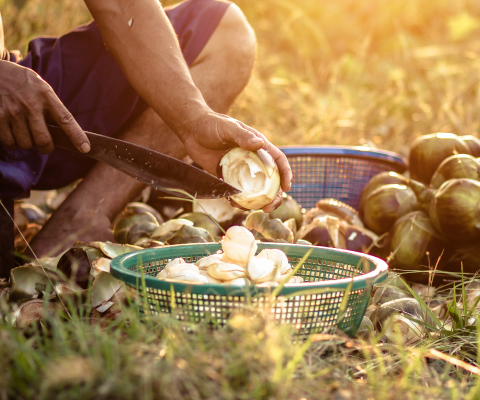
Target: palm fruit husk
(269,228)
(359,239)
(168,208)
(473,144)
(324,231)
(129,229)
(287,210)
(388,293)
(238,219)
(112,250)
(410,308)
(24,281)
(75,265)
(104,287)
(33,311)
(169,228)
(381,179)
(428,151)
(415,243)
(365,329)
(25,214)
(25,236)
(343,211)
(386,204)
(138,207)
(218,209)
(202,220)
(456,166)
(190,234)
(453,208)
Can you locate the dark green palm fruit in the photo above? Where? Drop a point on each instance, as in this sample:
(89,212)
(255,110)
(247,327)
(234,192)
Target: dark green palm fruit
(454,210)
(343,211)
(415,243)
(385,205)
(129,229)
(202,220)
(168,207)
(383,178)
(428,151)
(269,228)
(190,234)
(238,219)
(473,144)
(456,166)
(287,210)
(75,265)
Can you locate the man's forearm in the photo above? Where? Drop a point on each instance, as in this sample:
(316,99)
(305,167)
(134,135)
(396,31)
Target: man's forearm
(143,42)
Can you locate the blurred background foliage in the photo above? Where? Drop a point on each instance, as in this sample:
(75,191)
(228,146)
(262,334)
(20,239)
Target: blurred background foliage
(344,72)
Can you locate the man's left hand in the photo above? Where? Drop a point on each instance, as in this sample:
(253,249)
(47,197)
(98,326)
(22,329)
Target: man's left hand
(209,137)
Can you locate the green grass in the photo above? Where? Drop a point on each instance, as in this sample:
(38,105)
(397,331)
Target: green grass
(341,72)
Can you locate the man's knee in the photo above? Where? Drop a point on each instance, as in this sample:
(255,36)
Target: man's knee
(233,38)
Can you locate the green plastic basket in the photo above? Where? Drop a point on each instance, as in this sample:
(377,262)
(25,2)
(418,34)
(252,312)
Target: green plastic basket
(312,307)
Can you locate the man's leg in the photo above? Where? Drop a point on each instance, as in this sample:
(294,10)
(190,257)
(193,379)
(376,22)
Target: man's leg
(221,71)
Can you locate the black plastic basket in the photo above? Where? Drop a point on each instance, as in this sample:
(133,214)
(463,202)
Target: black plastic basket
(337,172)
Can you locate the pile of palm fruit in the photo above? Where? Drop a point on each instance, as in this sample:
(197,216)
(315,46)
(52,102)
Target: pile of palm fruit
(426,221)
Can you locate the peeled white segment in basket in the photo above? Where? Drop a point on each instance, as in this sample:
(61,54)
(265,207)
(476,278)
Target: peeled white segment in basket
(238,282)
(239,245)
(178,269)
(188,276)
(210,279)
(278,257)
(261,270)
(164,272)
(225,271)
(204,262)
(295,279)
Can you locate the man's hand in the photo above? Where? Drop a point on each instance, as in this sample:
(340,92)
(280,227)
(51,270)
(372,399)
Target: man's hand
(25,99)
(208,138)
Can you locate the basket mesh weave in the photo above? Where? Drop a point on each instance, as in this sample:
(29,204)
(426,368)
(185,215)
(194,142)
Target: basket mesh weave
(311,308)
(341,173)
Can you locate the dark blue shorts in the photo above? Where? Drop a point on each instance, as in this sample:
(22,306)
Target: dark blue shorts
(89,82)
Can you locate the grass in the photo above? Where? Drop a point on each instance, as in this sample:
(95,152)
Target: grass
(342,72)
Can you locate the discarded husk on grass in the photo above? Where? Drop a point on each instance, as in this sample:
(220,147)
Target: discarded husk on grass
(104,287)
(33,311)
(190,234)
(202,220)
(129,229)
(24,281)
(168,229)
(269,228)
(324,231)
(388,293)
(343,211)
(288,209)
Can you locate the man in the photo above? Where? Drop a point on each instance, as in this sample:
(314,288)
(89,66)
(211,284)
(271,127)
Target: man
(142,89)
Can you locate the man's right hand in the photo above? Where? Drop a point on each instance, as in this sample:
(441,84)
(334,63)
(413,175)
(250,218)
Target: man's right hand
(25,99)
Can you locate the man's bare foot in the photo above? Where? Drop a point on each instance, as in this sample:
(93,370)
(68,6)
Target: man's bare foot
(65,227)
